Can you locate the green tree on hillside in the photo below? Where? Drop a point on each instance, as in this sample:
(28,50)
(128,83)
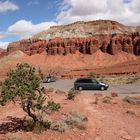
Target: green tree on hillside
(23,84)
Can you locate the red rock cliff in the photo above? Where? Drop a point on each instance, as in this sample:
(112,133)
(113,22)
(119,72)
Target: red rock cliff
(111,44)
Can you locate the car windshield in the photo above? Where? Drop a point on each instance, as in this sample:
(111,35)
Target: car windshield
(94,81)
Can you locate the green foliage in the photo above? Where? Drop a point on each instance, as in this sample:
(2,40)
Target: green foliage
(24,84)
(72,94)
(92,74)
(53,106)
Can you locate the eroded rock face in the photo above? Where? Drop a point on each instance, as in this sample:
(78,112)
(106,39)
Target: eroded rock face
(3,53)
(111,44)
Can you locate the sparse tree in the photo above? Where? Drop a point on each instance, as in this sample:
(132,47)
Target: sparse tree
(23,84)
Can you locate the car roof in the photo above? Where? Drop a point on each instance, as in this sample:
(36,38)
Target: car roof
(86,78)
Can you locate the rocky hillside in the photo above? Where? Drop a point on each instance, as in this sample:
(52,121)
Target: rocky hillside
(3,52)
(86,29)
(86,37)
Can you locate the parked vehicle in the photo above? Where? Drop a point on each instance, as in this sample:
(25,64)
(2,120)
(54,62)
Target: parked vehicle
(49,79)
(90,83)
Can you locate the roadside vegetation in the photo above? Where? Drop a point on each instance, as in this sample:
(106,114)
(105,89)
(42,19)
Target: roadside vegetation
(92,74)
(23,85)
(118,79)
(72,94)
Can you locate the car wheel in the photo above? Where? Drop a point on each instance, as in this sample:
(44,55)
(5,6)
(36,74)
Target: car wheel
(102,88)
(80,88)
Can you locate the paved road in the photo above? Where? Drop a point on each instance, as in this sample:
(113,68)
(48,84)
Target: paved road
(66,85)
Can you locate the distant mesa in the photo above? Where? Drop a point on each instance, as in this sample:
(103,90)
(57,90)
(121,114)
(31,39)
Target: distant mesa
(86,37)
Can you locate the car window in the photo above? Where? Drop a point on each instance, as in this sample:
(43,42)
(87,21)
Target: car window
(94,81)
(88,81)
(84,81)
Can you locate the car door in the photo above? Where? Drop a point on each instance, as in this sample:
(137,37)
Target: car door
(95,84)
(88,84)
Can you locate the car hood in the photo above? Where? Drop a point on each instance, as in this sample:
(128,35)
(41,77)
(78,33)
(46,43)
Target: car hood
(103,84)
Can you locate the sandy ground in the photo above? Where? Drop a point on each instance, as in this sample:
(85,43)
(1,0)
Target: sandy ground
(80,64)
(105,121)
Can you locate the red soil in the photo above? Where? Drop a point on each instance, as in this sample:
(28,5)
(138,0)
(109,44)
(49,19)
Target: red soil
(72,62)
(105,121)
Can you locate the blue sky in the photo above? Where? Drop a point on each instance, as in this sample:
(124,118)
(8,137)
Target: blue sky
(35,11)
(24,18)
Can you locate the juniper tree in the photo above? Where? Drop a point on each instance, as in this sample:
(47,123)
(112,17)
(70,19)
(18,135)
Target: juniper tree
(23,84)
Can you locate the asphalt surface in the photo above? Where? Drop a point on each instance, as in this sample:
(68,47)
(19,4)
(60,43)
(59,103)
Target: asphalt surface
(66,85)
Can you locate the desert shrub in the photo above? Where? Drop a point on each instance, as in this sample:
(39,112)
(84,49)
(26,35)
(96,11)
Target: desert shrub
(76,119)
(53,106)
(92,74)
(72,94)
(58,125)
(50,89)
(132,100)
(107,99)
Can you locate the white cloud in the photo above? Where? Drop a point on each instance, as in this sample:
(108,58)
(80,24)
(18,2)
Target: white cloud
(32,3)
(3,44)
(25,29)
(8,6)
(124,11)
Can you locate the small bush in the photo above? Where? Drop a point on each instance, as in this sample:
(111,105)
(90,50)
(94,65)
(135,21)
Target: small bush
(72,94)
(53,106)
(59,125)
(132,100)
(76,119)
(92,74)
(107,99)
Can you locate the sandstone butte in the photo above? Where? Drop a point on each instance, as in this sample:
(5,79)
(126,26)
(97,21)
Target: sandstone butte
(86,37)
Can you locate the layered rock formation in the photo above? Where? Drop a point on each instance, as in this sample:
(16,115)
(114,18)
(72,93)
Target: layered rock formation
(62,46)
(29,46)
(86,29)
(87,37)
(3,52)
